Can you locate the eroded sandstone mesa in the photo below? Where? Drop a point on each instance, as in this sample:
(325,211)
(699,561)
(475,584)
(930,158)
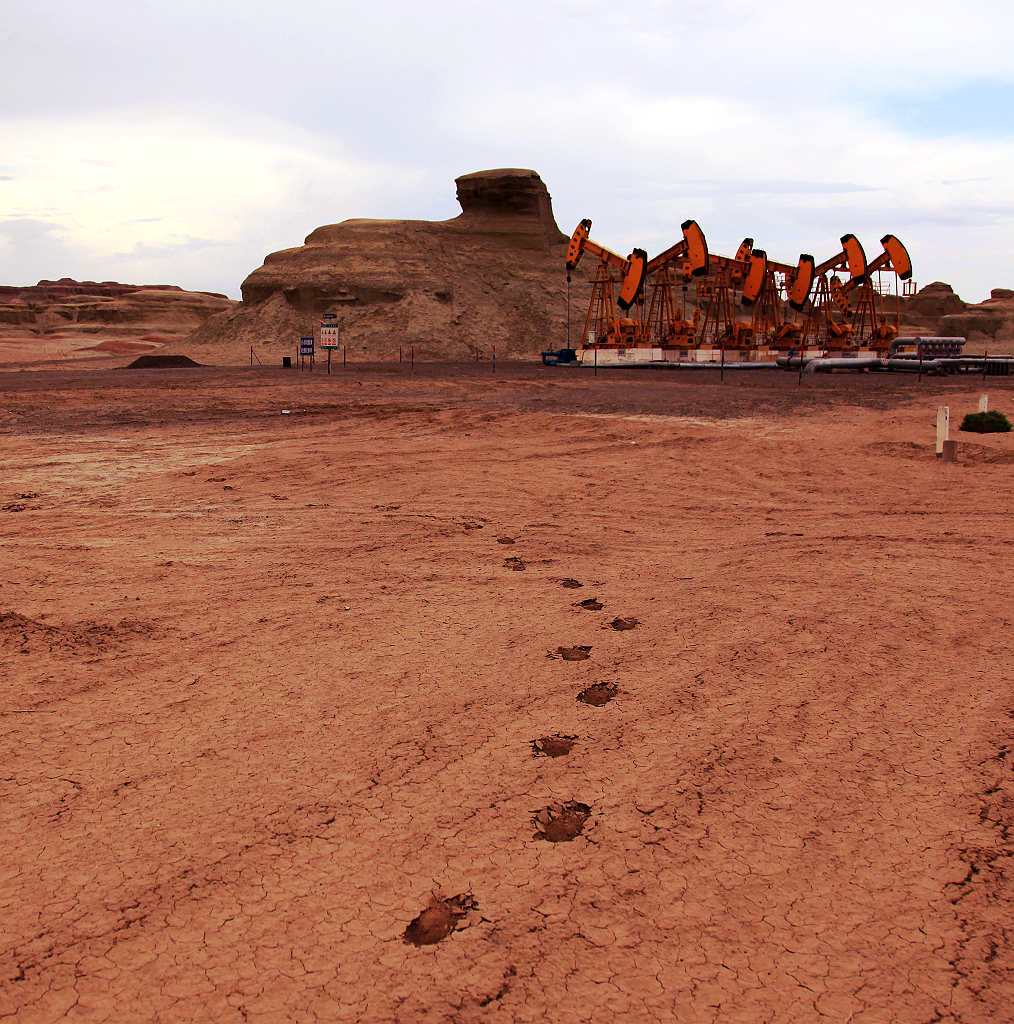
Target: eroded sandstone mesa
(491,276)
(67,316)
(936,309)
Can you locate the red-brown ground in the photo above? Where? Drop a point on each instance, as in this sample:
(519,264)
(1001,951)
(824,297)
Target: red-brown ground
(271,691)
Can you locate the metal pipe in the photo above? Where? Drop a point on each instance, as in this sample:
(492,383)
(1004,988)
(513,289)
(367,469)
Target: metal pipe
(826,365)
(915,365)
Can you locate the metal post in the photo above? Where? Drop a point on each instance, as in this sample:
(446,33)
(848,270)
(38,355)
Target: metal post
(596,373)
(344,348)
(721,372)
(568,310)
(329,362)
(494,358)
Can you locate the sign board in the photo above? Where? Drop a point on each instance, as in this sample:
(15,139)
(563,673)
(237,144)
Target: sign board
(330,331)
(306,346)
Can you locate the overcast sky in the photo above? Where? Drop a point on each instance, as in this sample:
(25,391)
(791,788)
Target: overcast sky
(178,142)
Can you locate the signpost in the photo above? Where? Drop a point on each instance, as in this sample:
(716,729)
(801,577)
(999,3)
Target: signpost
(306,349)
(330,335)
(943,427)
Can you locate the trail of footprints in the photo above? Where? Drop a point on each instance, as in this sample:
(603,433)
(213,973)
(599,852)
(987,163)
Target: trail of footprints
(556,823)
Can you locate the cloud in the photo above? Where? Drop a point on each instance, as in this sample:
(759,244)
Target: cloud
(197,203)
(169,250)
(32,250)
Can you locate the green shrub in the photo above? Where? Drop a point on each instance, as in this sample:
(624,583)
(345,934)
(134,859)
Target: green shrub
(991,422)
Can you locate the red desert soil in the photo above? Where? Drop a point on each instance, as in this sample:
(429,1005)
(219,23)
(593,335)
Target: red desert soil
(270,695)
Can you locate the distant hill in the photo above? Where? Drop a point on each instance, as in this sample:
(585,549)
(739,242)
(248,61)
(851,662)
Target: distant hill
(56,320)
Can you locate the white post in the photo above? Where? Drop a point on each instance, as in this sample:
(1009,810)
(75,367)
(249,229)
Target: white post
(983,403)
(943,427)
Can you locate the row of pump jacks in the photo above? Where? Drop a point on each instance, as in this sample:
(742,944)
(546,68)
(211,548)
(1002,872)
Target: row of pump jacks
(642,303)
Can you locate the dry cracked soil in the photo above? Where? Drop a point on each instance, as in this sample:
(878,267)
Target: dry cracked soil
(281,739)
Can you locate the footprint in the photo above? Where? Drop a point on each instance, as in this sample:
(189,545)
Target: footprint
(619,623)
(598,694)
(591,603)
(505,540)
(517,564)
(560,823)
(570,584)
(580,653)
(439,919)
(553,746)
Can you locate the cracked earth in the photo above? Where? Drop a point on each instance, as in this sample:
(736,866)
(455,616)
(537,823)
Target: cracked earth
(281,739)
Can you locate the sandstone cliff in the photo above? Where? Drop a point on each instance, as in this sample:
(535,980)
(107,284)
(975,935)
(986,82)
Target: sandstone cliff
(491,276)
(56,319)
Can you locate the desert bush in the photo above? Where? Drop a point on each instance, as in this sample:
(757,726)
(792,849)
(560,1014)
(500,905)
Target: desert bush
(991,422)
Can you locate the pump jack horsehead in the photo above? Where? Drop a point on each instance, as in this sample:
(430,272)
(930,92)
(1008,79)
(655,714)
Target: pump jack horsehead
(602,325)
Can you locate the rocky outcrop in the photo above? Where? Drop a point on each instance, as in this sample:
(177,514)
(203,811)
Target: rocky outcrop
(67,316)
(988,326)
(67,287)
(937,310)
(491,276)
(932,302)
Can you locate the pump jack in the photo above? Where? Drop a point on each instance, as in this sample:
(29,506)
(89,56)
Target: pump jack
(602,325)
(841,313)
(769,320)
(865,322)
(752,272)
(663,327)
(820,323)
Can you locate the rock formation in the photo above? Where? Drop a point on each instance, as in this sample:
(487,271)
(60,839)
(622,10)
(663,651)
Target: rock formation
(932,302)
(491,276)
(55,319)
(987,325)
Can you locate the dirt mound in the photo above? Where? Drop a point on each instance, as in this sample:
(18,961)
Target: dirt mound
(492,276)
(161,363)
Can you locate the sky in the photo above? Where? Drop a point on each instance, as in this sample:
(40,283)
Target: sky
(180,142)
